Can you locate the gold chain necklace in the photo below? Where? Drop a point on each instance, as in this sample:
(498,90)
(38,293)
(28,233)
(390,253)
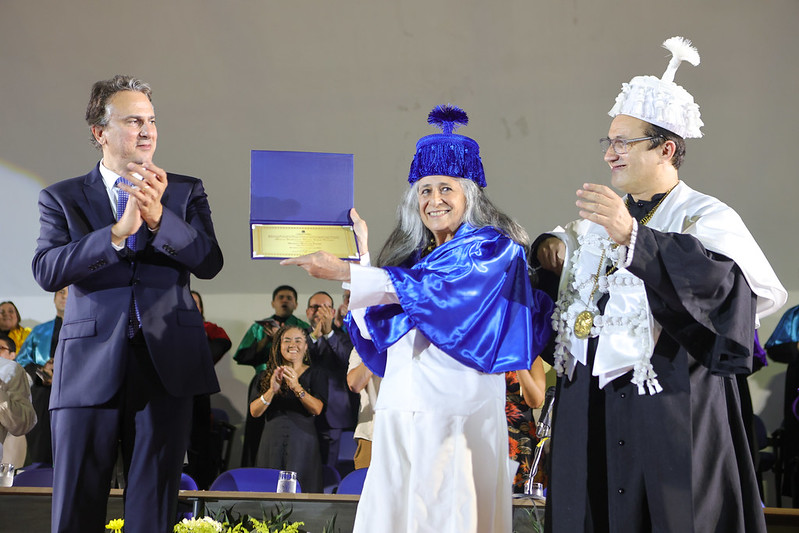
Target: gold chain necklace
(585,319)
(651,213)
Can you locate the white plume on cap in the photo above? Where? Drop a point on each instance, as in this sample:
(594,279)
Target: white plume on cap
(681,50)
(660,101)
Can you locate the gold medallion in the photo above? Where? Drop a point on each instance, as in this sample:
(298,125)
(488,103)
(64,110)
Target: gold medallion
(583,324)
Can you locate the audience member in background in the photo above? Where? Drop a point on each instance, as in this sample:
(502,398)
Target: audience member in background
(783,347)
(10,323)
(217,337)
(330,351)
(15,446)
(17,416)
(291,393)
(36,357)
(524,391)
(361,380)
(203,452)
(254,350)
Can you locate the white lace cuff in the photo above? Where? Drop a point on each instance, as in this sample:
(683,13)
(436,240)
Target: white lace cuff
(630,248)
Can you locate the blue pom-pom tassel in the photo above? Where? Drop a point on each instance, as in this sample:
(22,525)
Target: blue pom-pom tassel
(448,118)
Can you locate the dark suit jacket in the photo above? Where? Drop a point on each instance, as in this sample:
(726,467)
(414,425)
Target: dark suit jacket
(74,249)
(332,354)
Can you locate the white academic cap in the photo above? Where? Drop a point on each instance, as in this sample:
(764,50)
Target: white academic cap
(661,101)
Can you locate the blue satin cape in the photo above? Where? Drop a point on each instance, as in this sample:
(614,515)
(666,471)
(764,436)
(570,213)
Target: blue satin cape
(471,297)
(787,330)
(36,348)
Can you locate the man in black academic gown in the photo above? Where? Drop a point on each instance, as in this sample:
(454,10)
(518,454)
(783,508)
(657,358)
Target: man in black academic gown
(656,312)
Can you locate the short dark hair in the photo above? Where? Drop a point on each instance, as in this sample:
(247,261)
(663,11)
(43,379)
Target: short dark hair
(97,112)
(283,288)
(662,135)
(11,344)
(321,292)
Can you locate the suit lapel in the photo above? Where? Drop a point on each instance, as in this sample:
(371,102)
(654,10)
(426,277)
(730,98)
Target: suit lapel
(95,200)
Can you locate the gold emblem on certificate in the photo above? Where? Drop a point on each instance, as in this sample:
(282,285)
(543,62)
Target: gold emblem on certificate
(294,240)
(583,324)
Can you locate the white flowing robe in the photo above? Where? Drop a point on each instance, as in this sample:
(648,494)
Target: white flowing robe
(440,447)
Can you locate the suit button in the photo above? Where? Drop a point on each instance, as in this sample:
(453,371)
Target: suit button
(621,491)
(623,394)
(621,443)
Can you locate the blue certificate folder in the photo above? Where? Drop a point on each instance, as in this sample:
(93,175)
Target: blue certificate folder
(304,191)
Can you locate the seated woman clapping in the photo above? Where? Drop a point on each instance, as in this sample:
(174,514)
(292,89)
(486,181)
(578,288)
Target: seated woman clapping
(291,393)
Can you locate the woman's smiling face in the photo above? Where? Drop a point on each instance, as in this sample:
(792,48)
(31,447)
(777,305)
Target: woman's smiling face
(442,204)
(8,317)
(293,345)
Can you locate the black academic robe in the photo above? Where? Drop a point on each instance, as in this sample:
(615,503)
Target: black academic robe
(677,461)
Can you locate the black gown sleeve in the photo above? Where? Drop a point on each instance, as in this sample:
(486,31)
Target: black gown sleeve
(787,352)
(701,299)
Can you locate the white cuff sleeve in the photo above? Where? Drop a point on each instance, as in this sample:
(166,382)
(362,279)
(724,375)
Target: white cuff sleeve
(370,286)
(365,260)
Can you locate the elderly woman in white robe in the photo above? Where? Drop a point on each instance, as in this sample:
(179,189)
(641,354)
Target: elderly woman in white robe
(447,313)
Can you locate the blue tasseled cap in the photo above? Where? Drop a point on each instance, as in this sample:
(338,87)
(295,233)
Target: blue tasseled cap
(447,153)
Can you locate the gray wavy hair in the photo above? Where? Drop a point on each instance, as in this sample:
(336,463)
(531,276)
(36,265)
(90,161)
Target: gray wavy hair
(410,234)
(97,112)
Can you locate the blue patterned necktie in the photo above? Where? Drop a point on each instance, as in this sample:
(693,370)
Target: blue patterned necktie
(134,318)
(122,201)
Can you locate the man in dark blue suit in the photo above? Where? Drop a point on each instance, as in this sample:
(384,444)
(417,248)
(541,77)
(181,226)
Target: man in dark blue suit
(331,350)
(132,352)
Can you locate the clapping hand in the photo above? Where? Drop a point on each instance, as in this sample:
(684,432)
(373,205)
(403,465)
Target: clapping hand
(149,185)
(291,377)
(277,379)
(323,322)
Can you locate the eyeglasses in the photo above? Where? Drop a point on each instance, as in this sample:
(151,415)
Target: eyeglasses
(621,146)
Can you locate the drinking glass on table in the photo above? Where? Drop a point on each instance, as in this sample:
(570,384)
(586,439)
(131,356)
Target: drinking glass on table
(6,474)
(287,481)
